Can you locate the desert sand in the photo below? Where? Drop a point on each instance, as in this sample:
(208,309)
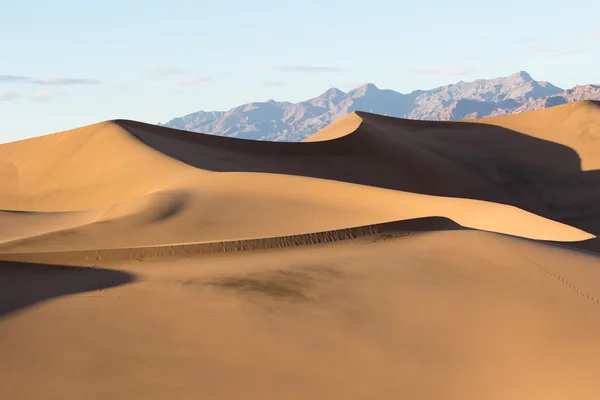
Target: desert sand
(380,258)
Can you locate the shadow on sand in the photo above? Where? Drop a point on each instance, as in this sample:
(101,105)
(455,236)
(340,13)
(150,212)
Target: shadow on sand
(25,284)
(465,160)
(590,246)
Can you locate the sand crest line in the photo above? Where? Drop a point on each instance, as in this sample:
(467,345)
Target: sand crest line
(189,249)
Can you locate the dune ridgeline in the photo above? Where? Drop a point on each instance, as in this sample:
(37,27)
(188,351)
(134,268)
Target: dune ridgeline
(380,258)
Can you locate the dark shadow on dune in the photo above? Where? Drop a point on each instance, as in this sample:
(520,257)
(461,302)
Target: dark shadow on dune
(466,160)
(174,203)
(25,284)
(378,232)
(590,246)
(426,224)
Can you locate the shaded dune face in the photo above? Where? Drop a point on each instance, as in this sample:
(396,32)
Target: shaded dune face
(481,160)
(126,184)
(380,259)
(26,284)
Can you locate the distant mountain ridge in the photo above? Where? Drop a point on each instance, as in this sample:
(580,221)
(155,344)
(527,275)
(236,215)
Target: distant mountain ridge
(285,121)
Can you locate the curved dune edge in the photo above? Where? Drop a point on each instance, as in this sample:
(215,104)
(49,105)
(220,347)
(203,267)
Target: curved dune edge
(377,232)
(298,287)
(363,169)
(19,225)
(534,122)
(299,206)
(395,228)
(574,125)
(344,126)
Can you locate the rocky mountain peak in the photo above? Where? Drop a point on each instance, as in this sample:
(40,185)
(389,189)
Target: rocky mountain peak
(284,121)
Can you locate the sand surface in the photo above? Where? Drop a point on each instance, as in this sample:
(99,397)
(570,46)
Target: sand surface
(381,258)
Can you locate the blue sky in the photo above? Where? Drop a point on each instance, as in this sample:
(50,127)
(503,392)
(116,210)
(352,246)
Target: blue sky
(67,63)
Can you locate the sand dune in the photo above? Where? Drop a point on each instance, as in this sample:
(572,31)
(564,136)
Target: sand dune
(447,315)
(146,262)
(245,206)
(156,186)
(574,125)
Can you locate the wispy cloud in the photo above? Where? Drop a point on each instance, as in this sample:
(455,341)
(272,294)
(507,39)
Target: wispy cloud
(274,83)
(536,49)
(443,71)
(8,95)
(163,72)
(65,81)
(48,81)
(194,81)
(565,53)
(44,96)
(14,78)
(543,50)
(298,68)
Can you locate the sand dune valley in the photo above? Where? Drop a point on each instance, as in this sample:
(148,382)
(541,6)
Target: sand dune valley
(381,258)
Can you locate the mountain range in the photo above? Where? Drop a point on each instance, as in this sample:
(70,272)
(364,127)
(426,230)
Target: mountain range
(292,122)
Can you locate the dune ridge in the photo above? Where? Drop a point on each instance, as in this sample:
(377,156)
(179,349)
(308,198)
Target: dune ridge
(381,258)
(141,185)
(375,232)
(306,205)
(130,177)
(449,315)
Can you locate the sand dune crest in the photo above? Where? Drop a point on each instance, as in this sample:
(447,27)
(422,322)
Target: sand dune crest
(380,258)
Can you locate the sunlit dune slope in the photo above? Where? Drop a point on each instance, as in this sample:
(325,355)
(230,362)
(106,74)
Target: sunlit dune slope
(545,161)
(443,315)
(127,184)
(124,272)
(85,168)
(238,206)
(574,125)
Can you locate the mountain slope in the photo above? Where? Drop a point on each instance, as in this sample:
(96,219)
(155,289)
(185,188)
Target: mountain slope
(284,121)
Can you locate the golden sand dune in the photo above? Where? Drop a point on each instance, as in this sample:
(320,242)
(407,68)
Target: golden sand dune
(157,186)
(425,296)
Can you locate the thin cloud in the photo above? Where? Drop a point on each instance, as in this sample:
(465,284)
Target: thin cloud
(565,53)
(48,81)
(194,81)
(274,84)
(541,50)
(298,68)
(14,78)
(443,71)
(64,81)
(8,95)
(537,49)
(163,72)
(43,96)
